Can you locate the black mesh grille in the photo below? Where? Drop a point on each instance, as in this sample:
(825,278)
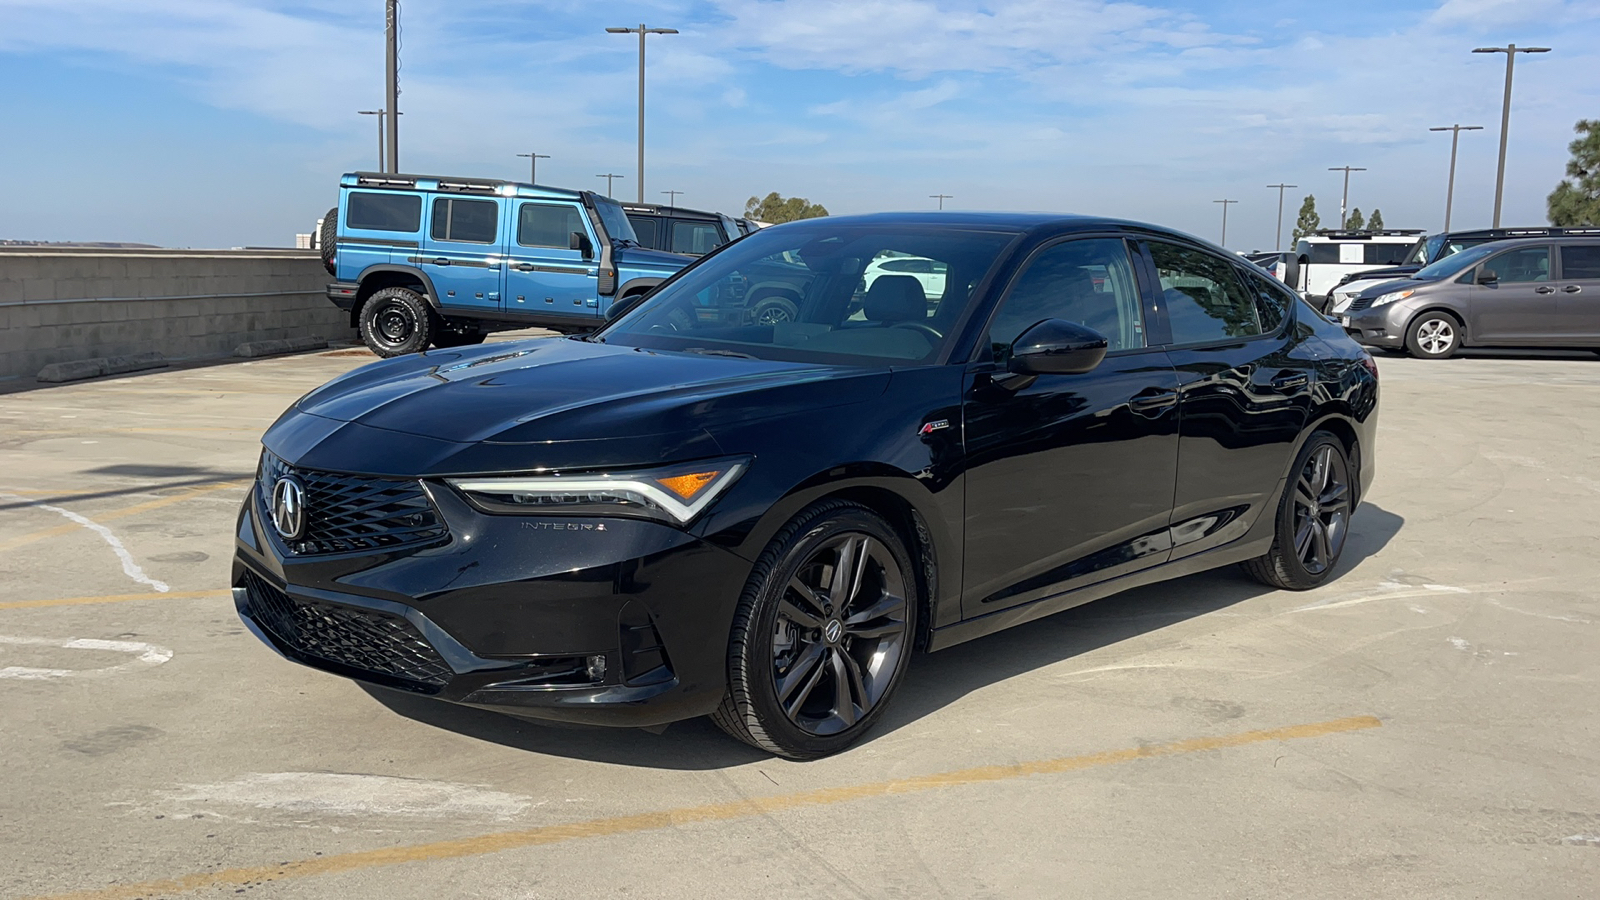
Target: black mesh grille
(346,513)
(1359,304)
(358,638)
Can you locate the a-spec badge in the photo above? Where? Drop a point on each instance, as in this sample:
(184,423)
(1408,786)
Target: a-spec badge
(935,425)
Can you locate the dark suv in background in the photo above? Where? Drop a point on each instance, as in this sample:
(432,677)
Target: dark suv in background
(692,232)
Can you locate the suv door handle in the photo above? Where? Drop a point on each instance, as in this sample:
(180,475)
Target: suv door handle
(524,267)
(1285,382)
(1544,289)
(1153,402)
(441,261)
(1572,288)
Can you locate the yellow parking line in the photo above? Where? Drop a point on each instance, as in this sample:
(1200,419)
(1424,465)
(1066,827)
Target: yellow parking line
(717,812)
(118,514)
(110,598)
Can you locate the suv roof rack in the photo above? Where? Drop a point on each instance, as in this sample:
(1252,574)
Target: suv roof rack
(1534,231)
(1357,235)
(455,184)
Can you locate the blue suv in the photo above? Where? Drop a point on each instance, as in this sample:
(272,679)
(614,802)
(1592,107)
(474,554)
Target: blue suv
(424,260)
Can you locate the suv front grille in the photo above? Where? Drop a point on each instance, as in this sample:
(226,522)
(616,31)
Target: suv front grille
(1359,304)
(358,638)
(346,513)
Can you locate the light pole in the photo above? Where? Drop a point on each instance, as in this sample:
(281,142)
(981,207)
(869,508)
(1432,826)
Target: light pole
(1344,199)
(941,198)
(641,31)
(1277,236)
(1450,191)
(1511,51)
(382,166)
(392,79)
(1225,204)
(672,197)
(533,164)
(608,177)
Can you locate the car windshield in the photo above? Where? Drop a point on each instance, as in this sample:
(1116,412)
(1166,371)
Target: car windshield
(1453,264)
(851,294)
(615,220)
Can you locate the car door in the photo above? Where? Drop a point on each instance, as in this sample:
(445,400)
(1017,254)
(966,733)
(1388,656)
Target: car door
(462,253)
(1578,297)
(1246,373)
(1069,477)
(544,275)
(1519,305)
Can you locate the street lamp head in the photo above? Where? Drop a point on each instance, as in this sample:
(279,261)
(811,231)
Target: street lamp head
(632,30)
(661,30)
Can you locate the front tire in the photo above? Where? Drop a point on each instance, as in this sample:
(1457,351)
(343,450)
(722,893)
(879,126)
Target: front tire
(396,321)
(1434,335)
(1313,518)
(822,635)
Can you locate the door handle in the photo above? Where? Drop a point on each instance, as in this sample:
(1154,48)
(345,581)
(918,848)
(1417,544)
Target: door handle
(1153,402)
(441,261)
(524,267)
(1572,289)
(1544,289)
(1287,382)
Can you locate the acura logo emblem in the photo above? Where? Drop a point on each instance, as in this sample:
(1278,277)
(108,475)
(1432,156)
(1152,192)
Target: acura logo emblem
(833,630)
(289,507)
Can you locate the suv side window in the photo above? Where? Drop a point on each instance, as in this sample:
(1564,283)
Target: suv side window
(648,228)
(1204,300)
(1580,261)
(468,221)
(548,225)
(1323,253)
(696,238)
(374,211)
(1088,281)
(1520,266)
(1272,303)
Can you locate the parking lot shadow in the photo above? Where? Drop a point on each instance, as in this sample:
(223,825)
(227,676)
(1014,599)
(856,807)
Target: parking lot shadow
(933,681)
(159,478)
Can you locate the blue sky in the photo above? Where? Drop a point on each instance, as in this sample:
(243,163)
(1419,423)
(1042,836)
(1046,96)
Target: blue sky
(214,123)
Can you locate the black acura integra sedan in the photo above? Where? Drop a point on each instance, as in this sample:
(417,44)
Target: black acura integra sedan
(692,513)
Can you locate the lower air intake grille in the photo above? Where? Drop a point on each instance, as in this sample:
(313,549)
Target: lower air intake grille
(358,638)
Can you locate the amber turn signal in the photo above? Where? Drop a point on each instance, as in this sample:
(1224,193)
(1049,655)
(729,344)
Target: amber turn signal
(686,486)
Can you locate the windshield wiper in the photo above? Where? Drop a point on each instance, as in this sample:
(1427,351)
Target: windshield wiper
(703,351)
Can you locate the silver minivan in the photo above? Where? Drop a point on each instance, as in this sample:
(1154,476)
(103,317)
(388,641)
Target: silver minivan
(1529,292)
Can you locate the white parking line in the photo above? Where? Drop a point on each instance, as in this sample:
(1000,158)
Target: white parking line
(129,567)
(144,655)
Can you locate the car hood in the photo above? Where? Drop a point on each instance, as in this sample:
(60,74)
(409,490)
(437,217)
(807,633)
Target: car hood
(1402,283)
(638,257)
(1388,274)
(551,390)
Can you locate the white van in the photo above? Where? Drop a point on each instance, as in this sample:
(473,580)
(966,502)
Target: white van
(1323,258)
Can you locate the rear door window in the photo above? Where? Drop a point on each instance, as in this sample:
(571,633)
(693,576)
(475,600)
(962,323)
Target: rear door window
(1580,262)
(1384,254)
(648,228)
(1204,299)
(467,221)
(374,211)
(696,238)
(1272,300)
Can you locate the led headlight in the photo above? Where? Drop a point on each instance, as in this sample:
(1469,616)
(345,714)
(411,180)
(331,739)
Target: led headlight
(1391,297)
(677,494)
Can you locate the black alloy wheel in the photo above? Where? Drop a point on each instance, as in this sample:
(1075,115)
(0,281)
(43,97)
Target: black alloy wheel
(396,321)
(772,309)
(823,634)
(1313,519)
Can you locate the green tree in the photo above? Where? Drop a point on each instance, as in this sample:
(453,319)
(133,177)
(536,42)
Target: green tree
(1355,222)
(1576,200)
(1308,222)
(774,209)
(1376,222)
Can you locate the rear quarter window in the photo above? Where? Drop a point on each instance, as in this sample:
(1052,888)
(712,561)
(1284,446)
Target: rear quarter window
(373,211)
(1580,261)
(1323,253)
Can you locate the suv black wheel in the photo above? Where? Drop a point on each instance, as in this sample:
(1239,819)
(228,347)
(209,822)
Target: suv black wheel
(1313,518)
(1434,335)
(775,308)
(396,321)
(822,634)
(328,239)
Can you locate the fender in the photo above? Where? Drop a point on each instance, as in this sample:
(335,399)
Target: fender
(648,283)
(432,296)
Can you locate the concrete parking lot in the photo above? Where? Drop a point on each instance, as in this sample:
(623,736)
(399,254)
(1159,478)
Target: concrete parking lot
(1423,726)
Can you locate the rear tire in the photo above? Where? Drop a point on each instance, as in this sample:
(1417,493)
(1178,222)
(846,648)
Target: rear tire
(822,634)
(1313,518)
(774,308)
(396,321)
(328,240)
(1433,335)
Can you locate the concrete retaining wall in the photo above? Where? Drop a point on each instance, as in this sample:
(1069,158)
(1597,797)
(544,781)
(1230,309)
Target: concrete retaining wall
(63,304)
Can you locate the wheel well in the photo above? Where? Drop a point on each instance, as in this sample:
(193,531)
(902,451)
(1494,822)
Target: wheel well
(765,292)
(1438,309)
(908,523)
(376,282)
(1346,434)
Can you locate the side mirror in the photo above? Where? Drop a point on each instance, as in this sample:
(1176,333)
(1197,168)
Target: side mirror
(580,242)
(1488,276)
(1057,347)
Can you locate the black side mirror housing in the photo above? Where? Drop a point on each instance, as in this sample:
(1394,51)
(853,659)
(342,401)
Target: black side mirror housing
(1488,276)
(1057,347)
(580,242)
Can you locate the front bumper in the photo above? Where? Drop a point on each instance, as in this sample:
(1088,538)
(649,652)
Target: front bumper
(507,612)
(1381,326)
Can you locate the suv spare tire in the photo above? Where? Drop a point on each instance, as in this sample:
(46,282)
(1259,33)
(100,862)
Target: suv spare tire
(327,238)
